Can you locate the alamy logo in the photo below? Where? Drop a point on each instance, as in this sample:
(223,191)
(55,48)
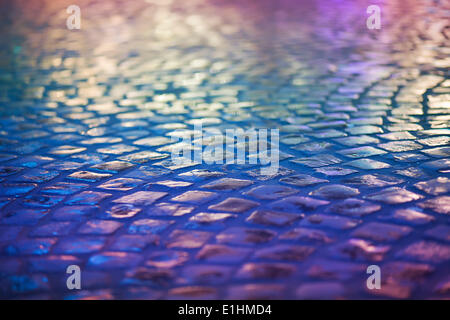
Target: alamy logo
(74,20)
(374,281)
(236,146)
(74,280)
(374,20)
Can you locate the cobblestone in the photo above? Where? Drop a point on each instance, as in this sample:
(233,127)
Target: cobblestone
(86,175)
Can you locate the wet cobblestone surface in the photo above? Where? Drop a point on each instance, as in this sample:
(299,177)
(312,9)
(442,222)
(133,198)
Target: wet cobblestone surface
(85,170)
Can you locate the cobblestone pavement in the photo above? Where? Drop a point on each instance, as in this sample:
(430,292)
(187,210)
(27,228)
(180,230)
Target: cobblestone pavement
(85,170)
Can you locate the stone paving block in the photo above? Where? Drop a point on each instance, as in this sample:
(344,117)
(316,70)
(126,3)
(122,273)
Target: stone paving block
(360,250)
(270,192)
(377,231)
(273,218)
(270,271)
(141,198)
(440,185)
(234,205)
(334,270)
(99,227)
(334,191)
(426,251)
(195,197)
(206,275)
(89,130)
(245,236)
(394,195)
(187,239)
(409,216)
(285,253)
(438,204)
(148,226)
(114,260)
(222,254)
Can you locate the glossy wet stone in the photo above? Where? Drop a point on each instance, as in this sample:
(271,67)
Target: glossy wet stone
(256,174)
(400,146)
(200,174)
(99,227)
(159,278)
(354,207)
(297,204)
(148,226)
(187,239)
(335,191)
(440,185)
(302,180)
(167,259)
(206,275)
(222,254)
(227,184)
(143,156)
(52,263)
(113,166)
(273,218)
(265,271)
(209,220)
(361,152)
(41,201)
(23,217)
(16,189)
(237,205)
(368,164)
(145,172)
(23,284)
(79,245)
(307,235)
(121,184)
(64,188)
(407,271)
(121,211)
(141,198)
(329,221)
(394,195)
(52,229)
(438,204)
(285,253)
(88,198)
(30,247)
(335,171)
(195,197)
(245,236)
(37,176)
(439,233)
(426,251)
(373,180)
(409,216)
(360,250)
(381,231)
(318,161)
(338,270)
(89,121)
(171,184)
(270,192)
(88,176)
(73,212)
(169,209)
(114,260)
